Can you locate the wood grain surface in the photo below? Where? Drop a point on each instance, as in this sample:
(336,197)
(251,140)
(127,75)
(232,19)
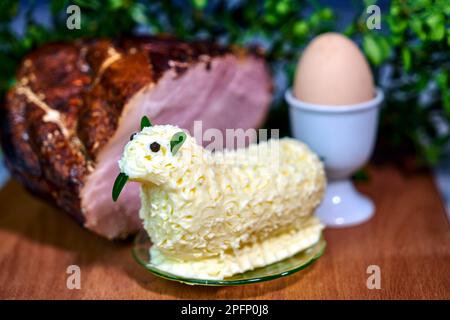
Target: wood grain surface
(408,239)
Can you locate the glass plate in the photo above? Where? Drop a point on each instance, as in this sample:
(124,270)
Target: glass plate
(300,261)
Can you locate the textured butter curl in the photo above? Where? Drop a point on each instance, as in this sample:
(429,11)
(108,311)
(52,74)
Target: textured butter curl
(222,207)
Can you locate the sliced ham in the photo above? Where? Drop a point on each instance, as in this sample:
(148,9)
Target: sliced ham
(75,105)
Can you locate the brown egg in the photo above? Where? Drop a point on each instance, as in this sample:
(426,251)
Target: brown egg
(333,71)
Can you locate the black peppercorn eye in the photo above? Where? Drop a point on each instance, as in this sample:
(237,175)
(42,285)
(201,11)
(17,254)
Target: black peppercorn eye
(155,146)
(132,136)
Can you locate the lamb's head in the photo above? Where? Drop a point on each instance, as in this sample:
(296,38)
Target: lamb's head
(152,155)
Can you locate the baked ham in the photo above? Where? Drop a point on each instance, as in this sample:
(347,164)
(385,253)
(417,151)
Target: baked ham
(75,105)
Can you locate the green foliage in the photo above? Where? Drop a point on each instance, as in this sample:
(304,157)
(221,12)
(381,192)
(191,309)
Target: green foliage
(413,46)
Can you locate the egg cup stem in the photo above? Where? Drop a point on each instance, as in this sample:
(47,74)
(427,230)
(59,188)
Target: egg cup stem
(344,206)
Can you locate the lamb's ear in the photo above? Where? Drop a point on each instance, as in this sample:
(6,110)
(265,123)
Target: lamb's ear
(177,141)
(145,122)
(120,182)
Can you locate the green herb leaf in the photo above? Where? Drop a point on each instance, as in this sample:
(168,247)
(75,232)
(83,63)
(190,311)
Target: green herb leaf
(177,141)
(372,49)
(301,29)
(200,4)
(436,22)
(406,57)
(145,122)
(120,182)
(377,48)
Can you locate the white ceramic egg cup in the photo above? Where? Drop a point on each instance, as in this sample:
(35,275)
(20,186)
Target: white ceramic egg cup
(344,137)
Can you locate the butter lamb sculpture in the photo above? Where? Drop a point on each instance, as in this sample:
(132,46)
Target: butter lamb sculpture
(212,215)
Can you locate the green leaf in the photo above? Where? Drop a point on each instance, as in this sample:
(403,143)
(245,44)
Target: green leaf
(89,4)
(416,25)
(442,82)
(138,14)
(385,46)
(8,9)
(397,40)
(315,19)
(119,183)
(177,141)
(432,154)
(282,7)
(372,49)
(301,28)
(377,48)
(327,14)
(397,26)
(57,6)
(447,8)
(437,26)
(145,122)
(368,3)
(116,4)
(350,30)
(406,57)
(395,10)
(270,19)
(200,4)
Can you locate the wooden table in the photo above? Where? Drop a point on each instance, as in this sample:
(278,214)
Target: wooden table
(408,239)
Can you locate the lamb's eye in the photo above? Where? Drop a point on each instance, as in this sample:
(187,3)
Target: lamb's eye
(132,136)
(155,146)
